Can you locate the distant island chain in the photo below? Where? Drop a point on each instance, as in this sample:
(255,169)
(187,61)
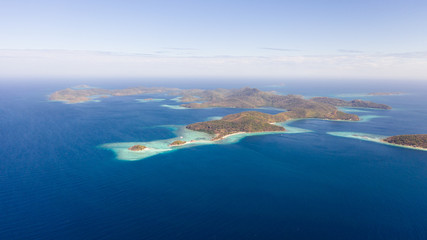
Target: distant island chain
(293,106)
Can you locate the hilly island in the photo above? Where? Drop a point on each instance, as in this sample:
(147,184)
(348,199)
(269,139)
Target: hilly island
(294,106)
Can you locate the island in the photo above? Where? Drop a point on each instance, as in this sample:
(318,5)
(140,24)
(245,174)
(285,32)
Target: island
(137,148)
(410,140)
(291,107)
(254,98)
(253,121)
(238,123)
(225,98)
(354,103)
(81,94)
(177,143)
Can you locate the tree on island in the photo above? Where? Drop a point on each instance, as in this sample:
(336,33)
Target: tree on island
(137,148)
(177,143)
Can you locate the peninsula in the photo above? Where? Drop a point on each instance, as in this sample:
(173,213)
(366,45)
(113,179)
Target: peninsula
(411,140)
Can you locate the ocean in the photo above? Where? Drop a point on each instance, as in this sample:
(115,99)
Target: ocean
(57,182)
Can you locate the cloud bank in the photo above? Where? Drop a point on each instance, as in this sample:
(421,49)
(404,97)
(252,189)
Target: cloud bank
(69,64)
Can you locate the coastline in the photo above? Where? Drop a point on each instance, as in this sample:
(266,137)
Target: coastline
(371,138)
(226,136)
(190,142)
(403,146)
(163,146)
(245,134)
(195,138)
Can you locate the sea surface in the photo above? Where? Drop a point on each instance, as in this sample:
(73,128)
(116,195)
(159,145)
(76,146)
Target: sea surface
(58,182)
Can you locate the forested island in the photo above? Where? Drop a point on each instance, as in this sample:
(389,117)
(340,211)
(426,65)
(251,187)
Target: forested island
(136,148)
(411,140)
(177,143)
(238,123)
(252,121)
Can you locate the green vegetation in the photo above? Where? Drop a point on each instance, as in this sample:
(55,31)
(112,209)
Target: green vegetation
(177,143)
(231,98)
(252,121)
(413,140)
(239,122)
(355,103)
(254,98)
(137,148)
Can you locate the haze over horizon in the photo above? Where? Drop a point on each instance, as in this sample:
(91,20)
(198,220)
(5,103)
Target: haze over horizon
(269,39)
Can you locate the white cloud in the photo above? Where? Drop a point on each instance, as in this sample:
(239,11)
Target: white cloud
(69,64)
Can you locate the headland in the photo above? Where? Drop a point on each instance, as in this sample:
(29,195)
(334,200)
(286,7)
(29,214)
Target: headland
(410,140)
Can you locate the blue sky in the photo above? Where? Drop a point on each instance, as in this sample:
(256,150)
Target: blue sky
(337,39)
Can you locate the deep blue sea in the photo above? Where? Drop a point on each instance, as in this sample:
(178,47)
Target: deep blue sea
(56,183)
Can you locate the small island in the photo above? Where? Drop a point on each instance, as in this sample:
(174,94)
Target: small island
(137,148)
(177,143)
(410,140)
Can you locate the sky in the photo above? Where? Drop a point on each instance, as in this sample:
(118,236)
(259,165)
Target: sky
(353,39)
